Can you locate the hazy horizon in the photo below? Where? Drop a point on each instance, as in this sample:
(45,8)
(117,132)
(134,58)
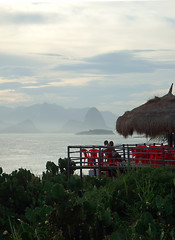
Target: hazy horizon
(53,118)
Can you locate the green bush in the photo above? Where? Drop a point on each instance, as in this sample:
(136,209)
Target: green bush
(139,204)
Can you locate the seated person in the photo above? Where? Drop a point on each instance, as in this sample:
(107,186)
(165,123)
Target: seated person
(115,154)
(111,154)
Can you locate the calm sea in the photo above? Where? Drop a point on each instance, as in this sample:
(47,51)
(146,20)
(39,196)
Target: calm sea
(32,151)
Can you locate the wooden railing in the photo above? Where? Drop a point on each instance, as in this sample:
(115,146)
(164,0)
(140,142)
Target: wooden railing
(103,158)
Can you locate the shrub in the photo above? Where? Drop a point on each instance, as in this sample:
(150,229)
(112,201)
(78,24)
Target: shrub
(137,205)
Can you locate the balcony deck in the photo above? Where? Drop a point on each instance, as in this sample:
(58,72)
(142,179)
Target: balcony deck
(95,157)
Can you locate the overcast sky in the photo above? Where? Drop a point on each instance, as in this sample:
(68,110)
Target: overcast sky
(113,55)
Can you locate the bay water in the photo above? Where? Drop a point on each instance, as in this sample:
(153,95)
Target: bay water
(32,151)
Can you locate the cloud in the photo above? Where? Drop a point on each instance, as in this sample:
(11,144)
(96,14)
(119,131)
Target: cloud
(12,96)
(16,71)
(17,15)
(22,18)
(10,85)
(170,20)
(35,86)
(120,62)
(84,28)
(86,53)
(13,65)
(159,92)
(50,54)
(18,60)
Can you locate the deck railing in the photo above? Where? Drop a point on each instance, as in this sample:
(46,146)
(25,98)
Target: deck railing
(100,158)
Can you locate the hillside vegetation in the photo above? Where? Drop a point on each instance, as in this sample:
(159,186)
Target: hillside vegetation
(136,205)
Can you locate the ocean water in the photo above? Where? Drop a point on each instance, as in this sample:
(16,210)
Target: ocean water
(32,151)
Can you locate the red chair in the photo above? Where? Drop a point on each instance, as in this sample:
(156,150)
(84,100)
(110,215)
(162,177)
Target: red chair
(93,157)
(159,157)
(143,154)
(86,156)
(140,153)
(118,157)
(108,154)
(170,156)
(103,158)
(155,155)
(134,155)
(151,153)
(113,157)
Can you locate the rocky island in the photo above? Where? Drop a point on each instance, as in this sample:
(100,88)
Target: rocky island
(96,132)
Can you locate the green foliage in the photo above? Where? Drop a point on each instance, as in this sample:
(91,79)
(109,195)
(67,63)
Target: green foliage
(63,166)
(18,190)
(53,171)
(139,204)
(38,215)
(51,168)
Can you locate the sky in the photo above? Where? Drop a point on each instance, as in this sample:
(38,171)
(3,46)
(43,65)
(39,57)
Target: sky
(112,55)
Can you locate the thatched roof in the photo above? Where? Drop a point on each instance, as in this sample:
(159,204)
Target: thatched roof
(155,117)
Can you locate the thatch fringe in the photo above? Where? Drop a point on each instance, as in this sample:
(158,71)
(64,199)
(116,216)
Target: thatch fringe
(155,117)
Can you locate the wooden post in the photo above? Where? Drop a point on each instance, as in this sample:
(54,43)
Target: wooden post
(68,162)
(170,139)
(163,156)
(81,173)
(128,155)
(173,140)
(99,163)
(124,155)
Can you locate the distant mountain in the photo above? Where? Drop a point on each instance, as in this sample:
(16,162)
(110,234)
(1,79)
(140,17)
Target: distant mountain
(94,120)
(39,113)
(23,127)
(110,119)
(54,118)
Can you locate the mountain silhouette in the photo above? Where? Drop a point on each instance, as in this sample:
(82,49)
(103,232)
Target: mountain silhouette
(94,120)
(54,118)
(26,126)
